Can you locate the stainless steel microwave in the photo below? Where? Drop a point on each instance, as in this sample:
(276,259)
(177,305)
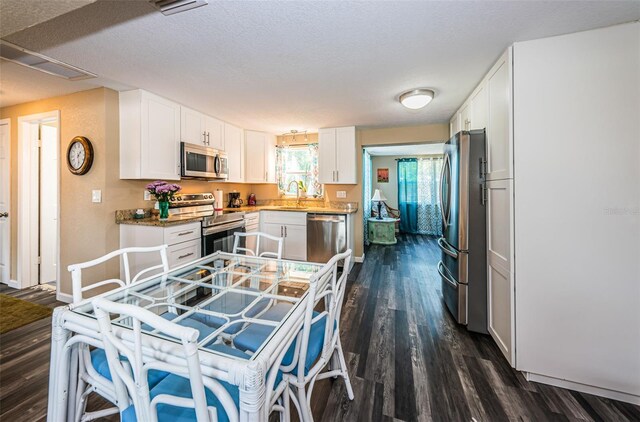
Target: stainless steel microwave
(200,162)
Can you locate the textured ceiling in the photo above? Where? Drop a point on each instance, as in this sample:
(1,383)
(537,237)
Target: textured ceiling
(281,65)
(16,15)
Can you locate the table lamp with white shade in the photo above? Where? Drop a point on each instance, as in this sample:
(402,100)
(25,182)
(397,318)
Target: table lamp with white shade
(379,197)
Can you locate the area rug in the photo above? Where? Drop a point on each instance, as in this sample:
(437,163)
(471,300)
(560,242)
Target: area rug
(15,313)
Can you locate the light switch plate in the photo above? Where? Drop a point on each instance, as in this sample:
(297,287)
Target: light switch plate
(341,194)
(147,195)
(96,196)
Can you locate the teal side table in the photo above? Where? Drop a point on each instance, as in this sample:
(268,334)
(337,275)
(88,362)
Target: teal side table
(382,232)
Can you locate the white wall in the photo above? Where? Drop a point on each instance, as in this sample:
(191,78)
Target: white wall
(577,204)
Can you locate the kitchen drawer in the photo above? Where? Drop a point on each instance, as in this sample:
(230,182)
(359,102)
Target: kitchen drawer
(284,217)
(182,233)
(184,252)
(252,218)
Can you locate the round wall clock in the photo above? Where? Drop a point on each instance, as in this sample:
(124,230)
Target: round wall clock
(79,155)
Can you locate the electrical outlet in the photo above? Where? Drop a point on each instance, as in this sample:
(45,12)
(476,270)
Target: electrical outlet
(147,195)
(96,196)
(341,194)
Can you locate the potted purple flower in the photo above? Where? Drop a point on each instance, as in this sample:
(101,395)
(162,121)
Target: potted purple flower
(163,192)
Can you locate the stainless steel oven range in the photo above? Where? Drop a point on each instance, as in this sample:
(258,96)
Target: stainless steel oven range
(218,227)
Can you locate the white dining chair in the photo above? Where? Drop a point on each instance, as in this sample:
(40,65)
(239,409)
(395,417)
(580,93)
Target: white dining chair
(93,370)
(318,343)
(184,394)
(76,269)
(256,252)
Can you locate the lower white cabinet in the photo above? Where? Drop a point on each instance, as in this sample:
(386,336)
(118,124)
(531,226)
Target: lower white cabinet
(184,252)
(292,226)
(500,268)
(183,241)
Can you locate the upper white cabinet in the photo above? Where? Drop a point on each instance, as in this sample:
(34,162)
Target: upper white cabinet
(260,157)
(337,155)
(198,128)
(234,147)
(149,136)
(490,107)
(499,124)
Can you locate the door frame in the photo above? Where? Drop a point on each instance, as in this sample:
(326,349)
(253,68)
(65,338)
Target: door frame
(9,281)
(29,199)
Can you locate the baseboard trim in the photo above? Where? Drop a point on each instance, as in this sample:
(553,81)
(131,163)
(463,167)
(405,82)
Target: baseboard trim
(584,388)
(358,259)
(63,297)
(13,284)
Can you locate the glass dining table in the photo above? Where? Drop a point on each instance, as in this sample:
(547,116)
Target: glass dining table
(219,295)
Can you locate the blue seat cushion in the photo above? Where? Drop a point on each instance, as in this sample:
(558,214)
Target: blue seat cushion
(100,364)
(176,385)
(254,336)
(231,303)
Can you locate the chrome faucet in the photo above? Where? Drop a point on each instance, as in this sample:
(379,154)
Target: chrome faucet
(297,191)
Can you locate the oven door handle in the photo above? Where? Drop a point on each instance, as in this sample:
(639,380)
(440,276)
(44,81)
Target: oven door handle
(223,227)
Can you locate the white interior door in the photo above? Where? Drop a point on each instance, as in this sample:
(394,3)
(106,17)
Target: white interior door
(5,185)
(48,203)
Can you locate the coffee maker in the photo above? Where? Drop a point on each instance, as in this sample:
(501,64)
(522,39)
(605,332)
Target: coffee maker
(234,200)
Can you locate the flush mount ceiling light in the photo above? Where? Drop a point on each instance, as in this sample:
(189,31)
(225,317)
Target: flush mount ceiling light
(416,98)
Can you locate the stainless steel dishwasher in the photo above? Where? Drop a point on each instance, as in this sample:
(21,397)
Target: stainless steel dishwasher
(326,236)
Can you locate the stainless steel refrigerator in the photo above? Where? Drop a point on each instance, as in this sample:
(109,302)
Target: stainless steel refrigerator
(463,268)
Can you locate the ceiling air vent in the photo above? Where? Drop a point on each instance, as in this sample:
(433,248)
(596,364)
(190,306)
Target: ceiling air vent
(40,62)
(170,7)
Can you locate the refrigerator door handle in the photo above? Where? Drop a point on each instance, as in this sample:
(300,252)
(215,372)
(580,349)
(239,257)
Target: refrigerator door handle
(446,248)
(441,269)
(441,193)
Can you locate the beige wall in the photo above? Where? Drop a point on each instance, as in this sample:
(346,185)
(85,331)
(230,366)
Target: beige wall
(389,189)
(88,230)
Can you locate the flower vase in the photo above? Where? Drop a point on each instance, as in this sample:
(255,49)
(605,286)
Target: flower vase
(164,209)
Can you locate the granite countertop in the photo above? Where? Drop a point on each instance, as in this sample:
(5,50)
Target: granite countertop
(293,208)
(126,217)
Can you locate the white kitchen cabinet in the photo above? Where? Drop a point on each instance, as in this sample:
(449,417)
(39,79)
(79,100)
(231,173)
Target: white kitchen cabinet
(337,155)
(454,124)
(500,266)
(292,227)
(260,153)
(479,107)
(192,126)
(149,136)
(215,133)
(183,241)
(234,147)
(499,124)
(465,117)
(198,128)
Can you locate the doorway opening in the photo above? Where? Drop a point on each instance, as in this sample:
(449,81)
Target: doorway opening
(39,200)
(402,185)
(5,203)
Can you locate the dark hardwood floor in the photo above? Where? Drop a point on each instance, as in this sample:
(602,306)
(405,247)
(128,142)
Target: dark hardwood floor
(408,359)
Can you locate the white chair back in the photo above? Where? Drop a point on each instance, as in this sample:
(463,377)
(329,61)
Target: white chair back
(256,252)
(130,377)
(76,269)
(330,288)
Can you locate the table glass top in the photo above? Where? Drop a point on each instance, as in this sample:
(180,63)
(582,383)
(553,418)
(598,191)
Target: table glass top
(216,295)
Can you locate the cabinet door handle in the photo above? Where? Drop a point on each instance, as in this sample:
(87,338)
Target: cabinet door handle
(209,138)
(337,175)
(185,255)
(185,233)
(281,232)
(285,231)
(204,137)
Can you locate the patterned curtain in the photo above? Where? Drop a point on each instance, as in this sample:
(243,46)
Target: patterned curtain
(408,194)
(309,165)
(366,193)
(429,220)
